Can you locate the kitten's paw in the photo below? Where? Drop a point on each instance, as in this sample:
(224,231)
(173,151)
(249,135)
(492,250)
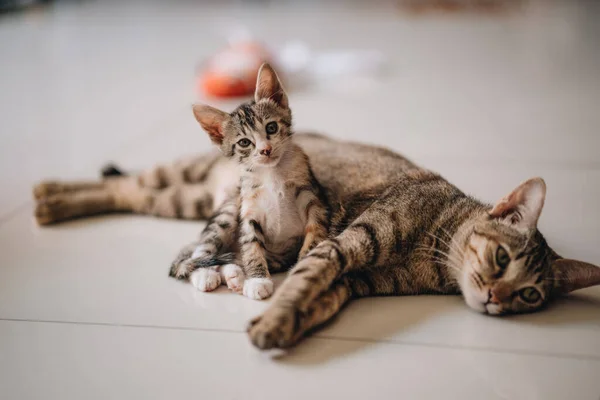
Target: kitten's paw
(275,328)
(205,279)
(233,275)
(258,288)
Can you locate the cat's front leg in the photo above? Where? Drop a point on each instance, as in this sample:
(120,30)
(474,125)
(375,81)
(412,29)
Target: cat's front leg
(258,284)
(313,208)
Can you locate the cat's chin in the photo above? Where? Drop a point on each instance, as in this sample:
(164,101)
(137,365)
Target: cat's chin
(270,163)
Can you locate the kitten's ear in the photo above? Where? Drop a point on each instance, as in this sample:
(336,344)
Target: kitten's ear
(211,120)
(268,86)
(571,275)
(523,206)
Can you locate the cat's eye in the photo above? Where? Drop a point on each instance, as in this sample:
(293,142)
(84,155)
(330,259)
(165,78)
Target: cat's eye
(530,295)
(502,257)
(244,142)
(271,128)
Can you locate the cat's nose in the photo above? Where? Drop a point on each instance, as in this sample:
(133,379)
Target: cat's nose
(499,293)
(266,151)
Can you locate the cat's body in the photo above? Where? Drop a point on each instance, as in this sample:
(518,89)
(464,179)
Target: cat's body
(395,229)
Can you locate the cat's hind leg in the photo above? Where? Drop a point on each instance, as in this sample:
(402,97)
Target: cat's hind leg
(64,206)
(62,201)
(49,188)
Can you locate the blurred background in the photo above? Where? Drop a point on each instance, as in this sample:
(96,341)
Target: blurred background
(472,83)
(486,92)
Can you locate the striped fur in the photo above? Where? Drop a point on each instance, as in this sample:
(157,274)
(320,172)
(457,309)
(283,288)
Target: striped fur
(371,223)
(396,229)
(281,204)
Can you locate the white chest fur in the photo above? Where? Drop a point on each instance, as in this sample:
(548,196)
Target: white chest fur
(274,203)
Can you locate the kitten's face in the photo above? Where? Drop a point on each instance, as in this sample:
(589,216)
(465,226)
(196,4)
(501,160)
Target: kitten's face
(505,270)
(257,133)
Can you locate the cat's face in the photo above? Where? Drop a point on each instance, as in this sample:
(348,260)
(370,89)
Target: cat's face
(257,133)
(507,266)
(506,270)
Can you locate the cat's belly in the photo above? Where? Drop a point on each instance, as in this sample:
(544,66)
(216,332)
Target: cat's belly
(282,221)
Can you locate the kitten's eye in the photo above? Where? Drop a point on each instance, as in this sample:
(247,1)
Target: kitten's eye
(271,128)
(244,142)
(502,257)
(530,295)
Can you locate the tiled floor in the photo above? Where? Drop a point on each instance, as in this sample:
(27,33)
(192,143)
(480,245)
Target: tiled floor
(86,308)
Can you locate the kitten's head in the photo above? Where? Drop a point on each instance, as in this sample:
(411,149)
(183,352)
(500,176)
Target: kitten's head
(508,267)
(256,133)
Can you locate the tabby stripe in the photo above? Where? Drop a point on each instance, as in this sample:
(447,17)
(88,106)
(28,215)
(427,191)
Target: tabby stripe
(521,255)
(365,278)
(441,277)
(479,277)
(161,177)
(303,188)
(177,203)
(300,270)
(476,254)
(335,245)
(256,226)
(309,205)
(372,235)
(253,240)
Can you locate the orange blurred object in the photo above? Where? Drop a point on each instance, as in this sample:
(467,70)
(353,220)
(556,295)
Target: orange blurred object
(233,71)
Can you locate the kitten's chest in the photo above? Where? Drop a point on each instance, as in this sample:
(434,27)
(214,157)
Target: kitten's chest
(274,202)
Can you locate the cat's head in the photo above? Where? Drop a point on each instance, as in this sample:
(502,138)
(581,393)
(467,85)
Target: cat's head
(507,265)
(256,133)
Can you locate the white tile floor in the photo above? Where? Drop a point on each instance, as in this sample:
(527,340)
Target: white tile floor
(86,308)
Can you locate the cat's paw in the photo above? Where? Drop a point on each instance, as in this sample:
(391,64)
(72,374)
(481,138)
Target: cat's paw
(50,210)
(275,328)
(233,275)
(46,189)
(258,288)
(206,279)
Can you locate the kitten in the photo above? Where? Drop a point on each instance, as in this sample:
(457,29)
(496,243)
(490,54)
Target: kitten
(282,208)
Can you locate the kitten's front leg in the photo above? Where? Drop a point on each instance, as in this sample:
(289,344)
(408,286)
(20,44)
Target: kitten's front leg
(317,219)
(258,284)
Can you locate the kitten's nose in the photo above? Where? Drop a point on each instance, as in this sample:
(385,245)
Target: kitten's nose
(499,293)
(266,151)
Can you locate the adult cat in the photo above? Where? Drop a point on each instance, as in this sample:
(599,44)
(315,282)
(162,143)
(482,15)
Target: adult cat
(396,229)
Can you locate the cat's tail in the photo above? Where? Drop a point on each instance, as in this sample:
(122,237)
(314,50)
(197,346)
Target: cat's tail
(203,262)
(213,261)
(111,170)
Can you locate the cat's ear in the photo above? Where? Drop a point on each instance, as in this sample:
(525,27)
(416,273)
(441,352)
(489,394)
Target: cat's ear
(523,206)
(268,86)
(571,275)
(211,120)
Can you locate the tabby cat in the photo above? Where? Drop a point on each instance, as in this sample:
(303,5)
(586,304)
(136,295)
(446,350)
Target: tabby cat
(395,229)
(280,210)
